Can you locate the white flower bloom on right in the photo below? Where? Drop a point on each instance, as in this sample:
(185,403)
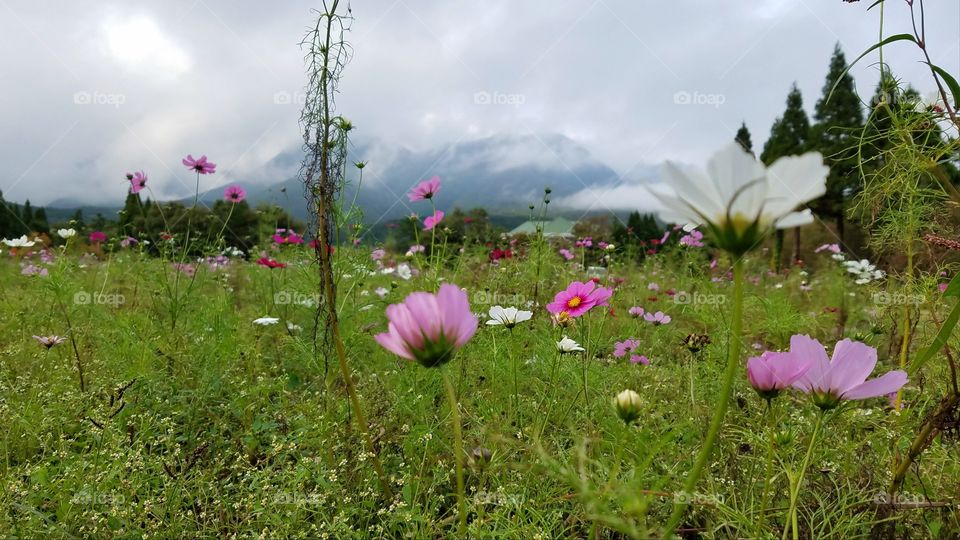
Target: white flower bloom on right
(864,271)
(739,199)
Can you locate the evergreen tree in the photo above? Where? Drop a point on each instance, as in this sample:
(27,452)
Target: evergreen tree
(40,223)
(839,124)
(77,220)
(26,218)
(743,137)
(5,218)
(789,136)
(131,217)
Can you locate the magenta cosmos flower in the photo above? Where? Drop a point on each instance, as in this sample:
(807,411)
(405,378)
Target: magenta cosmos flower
(566,254)
(234,194)
(138,181)
(97,237)
(425,190)
(201,165)
(771,372)
(830,381)
(579,298)
(429,328)
(432,221)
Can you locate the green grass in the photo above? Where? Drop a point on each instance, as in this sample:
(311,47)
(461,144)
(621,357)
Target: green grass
(227,429)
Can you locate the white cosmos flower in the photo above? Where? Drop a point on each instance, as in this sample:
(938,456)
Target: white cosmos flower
(567,345)
(66,233)
(738,199)
(508,317)
(404,271)
(266,321)
(23,241)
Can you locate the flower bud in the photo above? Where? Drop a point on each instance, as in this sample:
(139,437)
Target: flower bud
(628,405)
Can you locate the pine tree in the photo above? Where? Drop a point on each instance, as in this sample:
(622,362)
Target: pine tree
(26,218)
(40,223)
(743,137)
(5,218)
(789,136)
(839,124)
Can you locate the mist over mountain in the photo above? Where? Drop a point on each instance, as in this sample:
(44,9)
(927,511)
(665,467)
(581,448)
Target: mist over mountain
(503,174)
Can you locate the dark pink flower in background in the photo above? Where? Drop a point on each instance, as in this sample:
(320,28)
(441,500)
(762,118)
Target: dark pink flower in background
(636,312)
(97,237)
(432,221)
(234,194)
(566,254)
(200,165)
(425,190)
(138,181)
(185,268)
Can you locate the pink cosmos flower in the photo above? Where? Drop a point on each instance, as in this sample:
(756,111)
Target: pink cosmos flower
(832,248)
(693,239)
(186,269)
(771,372)
(234,194)
(844,377)
(97,237)
(942,287)
(639,359)
(666,235)
(657,318)
(417,248)
(34,270)
(201,165)
(49,341)
(138,181)
(636,312)
(425,190)
(129,242)
(432,221)
(378,254)
(579,298)
(566,254)
(621,348)
(654,286)
(428,328)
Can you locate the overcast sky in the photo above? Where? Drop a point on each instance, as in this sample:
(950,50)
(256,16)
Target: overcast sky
(91,90)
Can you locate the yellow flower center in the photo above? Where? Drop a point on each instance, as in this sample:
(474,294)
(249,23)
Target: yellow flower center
(574,302)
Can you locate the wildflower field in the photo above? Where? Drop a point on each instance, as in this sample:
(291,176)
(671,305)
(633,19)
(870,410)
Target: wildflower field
(769,353)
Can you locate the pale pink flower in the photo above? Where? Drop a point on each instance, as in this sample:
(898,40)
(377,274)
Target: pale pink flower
(771,372)
(844,377)
(428,328)
(657,318)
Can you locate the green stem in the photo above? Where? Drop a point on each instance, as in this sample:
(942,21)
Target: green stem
(723,400)
(795,491)
(457,449)
(764,495)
